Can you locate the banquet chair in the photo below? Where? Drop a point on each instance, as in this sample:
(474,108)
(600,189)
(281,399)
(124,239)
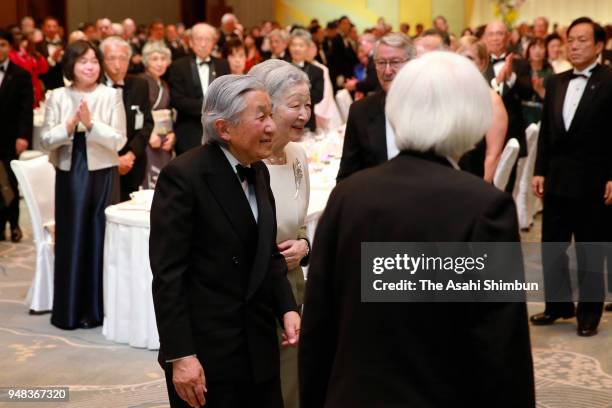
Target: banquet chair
(36,179)
(344,101)
(506,162)
(523,196)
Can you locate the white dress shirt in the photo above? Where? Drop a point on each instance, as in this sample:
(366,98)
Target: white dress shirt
(575,89)
(392,149)
(2,73)
(203,72)
(249,190)
(497,67)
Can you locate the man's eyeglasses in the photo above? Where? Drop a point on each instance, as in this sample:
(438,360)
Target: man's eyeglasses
(382,64)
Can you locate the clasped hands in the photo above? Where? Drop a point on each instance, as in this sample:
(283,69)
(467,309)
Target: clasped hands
(188,374)
(82,115)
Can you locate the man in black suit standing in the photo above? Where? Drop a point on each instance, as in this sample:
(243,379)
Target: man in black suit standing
(139,122)
(16,97)
(219,282)
(189,79)
(369,140)
(343,57)
(509,77)
(52,48)
(573,176)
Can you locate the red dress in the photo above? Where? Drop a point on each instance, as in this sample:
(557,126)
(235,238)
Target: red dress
(35,65)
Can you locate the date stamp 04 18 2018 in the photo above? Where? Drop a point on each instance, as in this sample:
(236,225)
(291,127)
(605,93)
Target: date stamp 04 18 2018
(34,394)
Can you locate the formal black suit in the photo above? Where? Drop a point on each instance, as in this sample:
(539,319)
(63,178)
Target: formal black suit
(365,140)
(342,60)
(315,76)
(370,83)
(356,354)
(219,283)
(576,164)
(186,97)
(16,97)
(136,94)
(54,77)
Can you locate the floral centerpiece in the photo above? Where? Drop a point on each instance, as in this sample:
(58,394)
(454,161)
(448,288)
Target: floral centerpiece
(507,10)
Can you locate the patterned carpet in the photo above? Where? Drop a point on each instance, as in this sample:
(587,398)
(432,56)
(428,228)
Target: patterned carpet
(571,372)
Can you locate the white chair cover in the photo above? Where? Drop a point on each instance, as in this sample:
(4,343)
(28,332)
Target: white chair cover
(36,179)
(344,101)
(326,111)
(523,195)
(504,168)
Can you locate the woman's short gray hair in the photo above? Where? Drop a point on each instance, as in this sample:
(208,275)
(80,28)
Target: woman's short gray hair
(440,102)
(116,41)
(225,100)
(302,34)
(278,76)
(397,40)
(153,47)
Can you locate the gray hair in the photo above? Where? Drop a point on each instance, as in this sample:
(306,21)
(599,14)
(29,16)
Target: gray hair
(225,100)
(284,35)
(433,89)
(397,40)
(278,76)
(302,34)
(117,41)
(153,47)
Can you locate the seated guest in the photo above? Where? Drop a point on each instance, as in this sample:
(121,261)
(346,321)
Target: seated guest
(299,43)
(219,282)
(25,55)
(290,182)
(16,98)
(156,59)
(279,40)
(554,49)
(540,70)
(189,79)
(358,354)
(235,54)
(139,123)
(482,160)
(369,139)
(84,128)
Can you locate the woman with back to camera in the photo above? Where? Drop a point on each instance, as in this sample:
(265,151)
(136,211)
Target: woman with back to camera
(288,87)
(84,128)
(482,160)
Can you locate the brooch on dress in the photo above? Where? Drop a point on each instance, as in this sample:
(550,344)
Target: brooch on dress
(298,173)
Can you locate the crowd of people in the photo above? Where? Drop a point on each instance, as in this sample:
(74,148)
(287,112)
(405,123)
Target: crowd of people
(210,117)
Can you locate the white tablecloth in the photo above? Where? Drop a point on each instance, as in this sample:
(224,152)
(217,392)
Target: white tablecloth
(129,316)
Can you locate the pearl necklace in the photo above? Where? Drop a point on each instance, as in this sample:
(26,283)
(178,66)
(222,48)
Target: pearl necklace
(277,159)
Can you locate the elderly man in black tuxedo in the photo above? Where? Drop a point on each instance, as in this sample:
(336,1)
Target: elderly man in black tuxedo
(573,175)
(509,76)
(139,122)
(189,79)
(361,355)
(16,96)
(219,282)
(369,139)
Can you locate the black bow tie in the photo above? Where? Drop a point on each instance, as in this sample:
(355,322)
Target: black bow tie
(496,60)
(578,75)
(246,173)
(206,61)
(118,86)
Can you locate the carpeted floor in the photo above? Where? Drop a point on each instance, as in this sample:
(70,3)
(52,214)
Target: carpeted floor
(571,372)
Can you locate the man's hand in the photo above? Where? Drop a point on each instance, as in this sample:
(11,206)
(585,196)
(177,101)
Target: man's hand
(126,162)
(21,145)
(506,72)
(537,183)
(155,141)
(189,381)
(608,193)
(293,251)
(291,335)
(57,54)
(169,142)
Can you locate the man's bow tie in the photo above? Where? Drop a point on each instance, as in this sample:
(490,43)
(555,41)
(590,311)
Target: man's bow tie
(246,173)
(206,61)
(496,60)
(578,75)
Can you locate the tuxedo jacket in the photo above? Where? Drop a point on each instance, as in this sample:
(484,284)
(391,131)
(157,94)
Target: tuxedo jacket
(136,94)
(342,59)
(362,355)
(365,140)
(54,77)
(577,162)
(219,282)
(513,98)
(370,83)
(16,95)
(315,76)
(187,98)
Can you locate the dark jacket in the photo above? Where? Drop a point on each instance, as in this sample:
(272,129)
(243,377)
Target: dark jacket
(16,95)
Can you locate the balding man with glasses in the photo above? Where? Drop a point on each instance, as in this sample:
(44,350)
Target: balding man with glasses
(369,139)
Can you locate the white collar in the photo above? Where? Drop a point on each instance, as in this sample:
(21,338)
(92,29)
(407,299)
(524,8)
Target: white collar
(588,71)
(231,159)
(110,82)
(199,60)
(300,64)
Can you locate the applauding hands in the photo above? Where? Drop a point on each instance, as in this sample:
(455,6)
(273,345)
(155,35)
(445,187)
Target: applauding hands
(82,115)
